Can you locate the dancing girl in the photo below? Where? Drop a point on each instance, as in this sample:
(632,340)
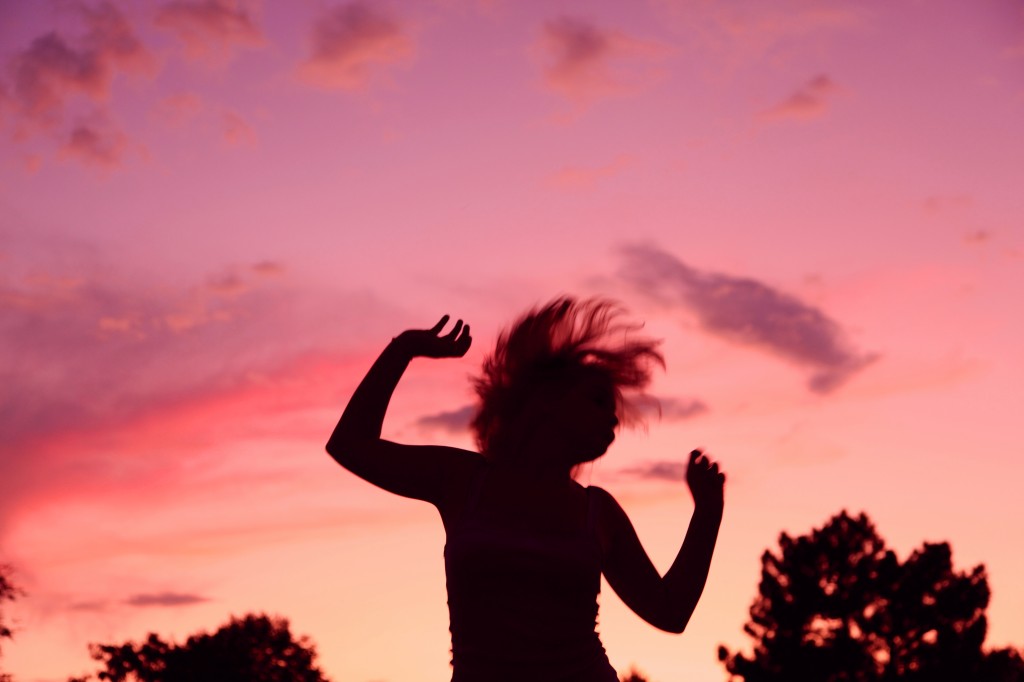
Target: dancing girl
(526,544)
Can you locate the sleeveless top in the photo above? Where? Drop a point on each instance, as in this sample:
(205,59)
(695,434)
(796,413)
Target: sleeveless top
(523,605)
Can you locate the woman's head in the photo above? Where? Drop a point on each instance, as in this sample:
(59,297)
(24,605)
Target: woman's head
(574,362)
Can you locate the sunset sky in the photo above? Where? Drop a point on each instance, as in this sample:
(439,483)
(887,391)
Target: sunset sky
(214,214)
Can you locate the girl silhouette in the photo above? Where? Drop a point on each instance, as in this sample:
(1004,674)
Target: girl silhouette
(526,544)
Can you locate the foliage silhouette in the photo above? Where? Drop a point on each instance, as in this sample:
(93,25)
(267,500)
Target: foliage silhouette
(255,648)
(8,592)
(838,605)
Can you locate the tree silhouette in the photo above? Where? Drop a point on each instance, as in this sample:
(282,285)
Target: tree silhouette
(8,592)
(838,605)
(633,675)
(255,648)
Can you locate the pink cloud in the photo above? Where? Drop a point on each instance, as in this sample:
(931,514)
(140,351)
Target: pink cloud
(809,101)
(237,131)
(179,109)
(351,42)
(96,143)
(211,28)
(942,203)
(585,62)
(53,69)
(580,177)
(105,377)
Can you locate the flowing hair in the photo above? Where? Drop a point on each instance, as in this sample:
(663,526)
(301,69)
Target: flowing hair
(556,344)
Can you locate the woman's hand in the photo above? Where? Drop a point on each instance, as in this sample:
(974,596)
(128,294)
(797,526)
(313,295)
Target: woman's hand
(707,483)
(428,343)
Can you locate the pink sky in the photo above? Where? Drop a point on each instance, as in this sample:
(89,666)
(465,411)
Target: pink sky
(213,215)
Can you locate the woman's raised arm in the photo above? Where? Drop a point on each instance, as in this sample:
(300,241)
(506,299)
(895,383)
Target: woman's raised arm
(411,471)
(668,601)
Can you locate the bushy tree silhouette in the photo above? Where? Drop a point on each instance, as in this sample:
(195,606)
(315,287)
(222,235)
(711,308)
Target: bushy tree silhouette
(255,648)
(838,605)
(633,676)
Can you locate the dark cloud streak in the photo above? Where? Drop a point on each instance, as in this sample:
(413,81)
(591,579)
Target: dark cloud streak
(452,421)
(749,312)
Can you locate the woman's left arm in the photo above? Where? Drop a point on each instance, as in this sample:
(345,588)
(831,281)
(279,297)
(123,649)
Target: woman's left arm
(668,601)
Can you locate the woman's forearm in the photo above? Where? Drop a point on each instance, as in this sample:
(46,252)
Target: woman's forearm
(684,582)
(363,417)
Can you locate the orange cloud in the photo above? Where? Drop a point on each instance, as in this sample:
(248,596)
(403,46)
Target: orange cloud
(211,28)
(349,43)
(585,62)
(810,101)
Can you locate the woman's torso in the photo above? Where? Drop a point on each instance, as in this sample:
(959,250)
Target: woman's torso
(523,574)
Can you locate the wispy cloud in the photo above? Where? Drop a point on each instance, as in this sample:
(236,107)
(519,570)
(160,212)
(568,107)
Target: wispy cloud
(351,43)
(584,62)
(237,131)
(211,29)
(179,109)
(54,68)
(809,101)
(668,408)
(658,470)
(749,312)
(96,141)
(165,599)
(948,203)
(101,370)
(583,177)
(452,421)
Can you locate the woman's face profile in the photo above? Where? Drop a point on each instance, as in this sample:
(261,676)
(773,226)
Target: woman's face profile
(584,412)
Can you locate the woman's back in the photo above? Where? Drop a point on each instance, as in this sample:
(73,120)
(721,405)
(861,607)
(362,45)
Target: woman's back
(523,585)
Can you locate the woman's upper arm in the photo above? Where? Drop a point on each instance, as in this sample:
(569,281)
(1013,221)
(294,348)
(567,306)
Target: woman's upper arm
(422,472)
(626,565)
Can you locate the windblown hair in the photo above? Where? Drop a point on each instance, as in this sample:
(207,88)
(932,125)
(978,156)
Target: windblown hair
(557,344)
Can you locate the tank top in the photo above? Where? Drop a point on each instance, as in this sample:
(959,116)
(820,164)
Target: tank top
(522,605)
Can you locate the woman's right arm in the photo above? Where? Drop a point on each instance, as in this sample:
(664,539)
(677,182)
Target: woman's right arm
(419,472)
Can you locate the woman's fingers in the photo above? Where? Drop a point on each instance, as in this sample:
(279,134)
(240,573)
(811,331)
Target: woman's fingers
(454,333)
(436,329)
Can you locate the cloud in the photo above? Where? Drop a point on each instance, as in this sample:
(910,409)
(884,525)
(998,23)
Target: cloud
(672,409)
(165,599)
(748,312)
(585,62)
(96,142)
(211,28)
(948,203)
(809,101)
(453,421)
(350,43)
(237,131)
(103,373)
(179,109)
(581,178)
(53,69)
(977,237)
(659,470)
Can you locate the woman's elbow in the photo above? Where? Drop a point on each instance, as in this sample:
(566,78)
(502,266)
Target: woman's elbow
(339,451)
